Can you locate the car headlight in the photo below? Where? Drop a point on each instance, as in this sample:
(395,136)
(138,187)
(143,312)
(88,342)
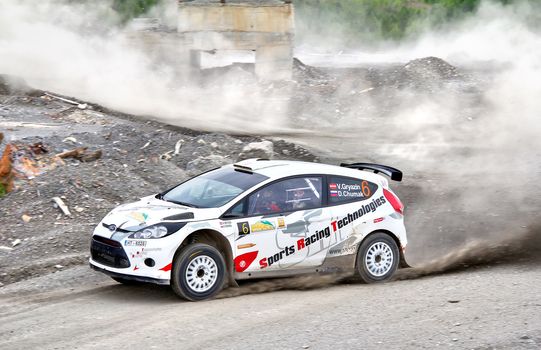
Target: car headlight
(158,230)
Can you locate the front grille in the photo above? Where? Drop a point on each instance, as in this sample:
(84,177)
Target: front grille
(108,252)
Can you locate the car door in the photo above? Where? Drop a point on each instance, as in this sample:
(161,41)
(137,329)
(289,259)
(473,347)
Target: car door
(277,220)
(352,203)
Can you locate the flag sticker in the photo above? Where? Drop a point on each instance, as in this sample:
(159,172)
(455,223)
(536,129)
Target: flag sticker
(334,193)
(332,186)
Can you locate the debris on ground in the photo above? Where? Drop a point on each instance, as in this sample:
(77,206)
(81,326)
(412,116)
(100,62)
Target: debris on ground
(60,203)
(6,173)
(263,150)
(81,153)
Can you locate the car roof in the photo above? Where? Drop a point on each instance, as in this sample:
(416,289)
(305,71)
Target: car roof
(276,169)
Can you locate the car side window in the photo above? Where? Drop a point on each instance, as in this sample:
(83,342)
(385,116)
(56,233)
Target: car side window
(292,194)
(346,189)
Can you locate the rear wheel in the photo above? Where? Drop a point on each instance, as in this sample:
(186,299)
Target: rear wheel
(198,272)
(377,258)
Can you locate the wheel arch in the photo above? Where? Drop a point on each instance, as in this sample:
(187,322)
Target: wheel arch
(218,241)
(402,263)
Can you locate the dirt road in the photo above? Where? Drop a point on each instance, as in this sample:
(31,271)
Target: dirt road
(483,308)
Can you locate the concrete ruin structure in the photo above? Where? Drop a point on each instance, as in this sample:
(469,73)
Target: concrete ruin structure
(265,27)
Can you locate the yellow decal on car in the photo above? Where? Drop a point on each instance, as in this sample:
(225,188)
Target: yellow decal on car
(262,225)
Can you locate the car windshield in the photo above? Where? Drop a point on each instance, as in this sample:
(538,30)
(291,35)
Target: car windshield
(213,189)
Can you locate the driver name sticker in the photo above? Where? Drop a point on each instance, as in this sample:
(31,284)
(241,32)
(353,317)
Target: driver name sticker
(350,190)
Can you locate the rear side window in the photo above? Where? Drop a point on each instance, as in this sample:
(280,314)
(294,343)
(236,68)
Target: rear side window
(343,189)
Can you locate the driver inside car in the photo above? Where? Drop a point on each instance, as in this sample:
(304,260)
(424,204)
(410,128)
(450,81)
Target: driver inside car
(268,203)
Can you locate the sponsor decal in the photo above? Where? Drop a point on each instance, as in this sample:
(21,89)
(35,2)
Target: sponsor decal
(138,253)
(152,250)
(135,268)
(167,267)
(378,220)
(225,224)
(243,261)
(343,251)
(262,225)
(270,260)
(141,217)
(281,223)
(244,228)
(135,243)
(247,245)
(334,226)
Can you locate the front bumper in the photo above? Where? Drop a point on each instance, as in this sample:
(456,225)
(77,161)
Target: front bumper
(130,277)
(108,252)
(149,260)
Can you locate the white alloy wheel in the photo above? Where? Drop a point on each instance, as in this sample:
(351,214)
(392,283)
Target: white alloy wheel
(379,259)
(201,273)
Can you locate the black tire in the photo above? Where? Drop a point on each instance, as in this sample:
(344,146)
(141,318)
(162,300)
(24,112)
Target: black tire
(213,274)
(369,268)
(125,281)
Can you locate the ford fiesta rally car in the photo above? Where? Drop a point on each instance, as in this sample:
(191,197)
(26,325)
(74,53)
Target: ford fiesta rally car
(256,218)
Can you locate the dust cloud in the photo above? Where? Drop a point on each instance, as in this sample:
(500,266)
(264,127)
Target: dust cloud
(511,248)
(508,248)
(82,50)
(468,141)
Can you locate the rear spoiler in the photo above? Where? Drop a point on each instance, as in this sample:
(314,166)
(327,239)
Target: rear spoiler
(393,173)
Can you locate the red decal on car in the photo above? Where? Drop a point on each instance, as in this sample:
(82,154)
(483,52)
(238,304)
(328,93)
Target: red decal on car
(243,261)
(332,186)
(167,267)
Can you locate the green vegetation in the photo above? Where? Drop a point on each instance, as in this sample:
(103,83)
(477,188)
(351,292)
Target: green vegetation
(132,8)
(378,19)
(2,191)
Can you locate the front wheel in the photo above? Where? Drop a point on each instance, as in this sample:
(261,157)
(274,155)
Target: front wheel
(198,272)
(377,258)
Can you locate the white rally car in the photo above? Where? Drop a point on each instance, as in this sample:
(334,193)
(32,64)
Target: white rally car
(253,219)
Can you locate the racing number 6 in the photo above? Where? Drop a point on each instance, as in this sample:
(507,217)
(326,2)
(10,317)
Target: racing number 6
(365,188)
(244,228)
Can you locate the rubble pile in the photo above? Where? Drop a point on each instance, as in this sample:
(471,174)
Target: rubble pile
(22,162)
(430,68)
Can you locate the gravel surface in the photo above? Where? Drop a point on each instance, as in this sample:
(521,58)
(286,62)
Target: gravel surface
(484,308)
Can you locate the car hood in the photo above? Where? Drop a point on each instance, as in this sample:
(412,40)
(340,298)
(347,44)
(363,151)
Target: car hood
(150,210)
